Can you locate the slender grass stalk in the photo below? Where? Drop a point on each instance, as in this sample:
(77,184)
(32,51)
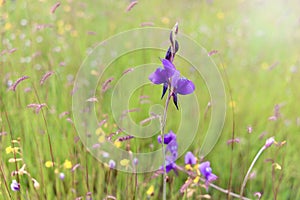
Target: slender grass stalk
(5,181)
(11,139)
(232,126)
(40,166)
(46,125)
(162,130)
(250,168)
(226,191)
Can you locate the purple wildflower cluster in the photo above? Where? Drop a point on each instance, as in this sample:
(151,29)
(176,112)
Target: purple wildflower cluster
(204,168)
(171,150)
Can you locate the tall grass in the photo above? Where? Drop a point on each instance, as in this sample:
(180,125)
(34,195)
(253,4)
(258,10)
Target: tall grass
(259,53)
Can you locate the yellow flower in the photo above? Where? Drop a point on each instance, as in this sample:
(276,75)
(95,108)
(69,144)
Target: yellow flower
(2,2)
(67,164)
(9,150)
(99,131)
(7,26)
(197,179)
(117,143)
(264,65)
(124,162)
(150,191)
(196,167)
(105,125)
(101,139)
(95,73)
(165,20)
(220,15)
(74,33)
(68,27)
(277,166)
(49,164)
(188,167)
(67,8)
(232,104)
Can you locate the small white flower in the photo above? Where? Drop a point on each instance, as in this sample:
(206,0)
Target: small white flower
(15,186)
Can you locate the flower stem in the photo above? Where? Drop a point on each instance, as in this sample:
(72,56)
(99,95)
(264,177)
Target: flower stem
(162,130)
(250,168)
(226,191)
(193,175)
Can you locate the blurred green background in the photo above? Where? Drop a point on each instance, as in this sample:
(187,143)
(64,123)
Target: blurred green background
(258,45)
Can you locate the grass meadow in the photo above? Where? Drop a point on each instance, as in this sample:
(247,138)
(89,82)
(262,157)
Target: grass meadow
(45,43)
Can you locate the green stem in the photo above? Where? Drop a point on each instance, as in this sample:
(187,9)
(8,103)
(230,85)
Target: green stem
(250,168)
(162,130)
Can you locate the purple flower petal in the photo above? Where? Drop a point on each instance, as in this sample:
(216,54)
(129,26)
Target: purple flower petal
(162,75)
(167,137)
(172,148)
(171,166)
(190,158)
(15,186)
(184,86)
(269,142)
(165,88)
(211,177)
(175,101)
(169,67)
(206,171)
(159,76)
(112,164)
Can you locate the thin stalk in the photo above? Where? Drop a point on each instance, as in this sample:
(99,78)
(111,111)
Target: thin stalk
(5,181)
(11,139)
(227,191)
(249,170)
(46,125)
(233,124)
(162,130)
(193,175)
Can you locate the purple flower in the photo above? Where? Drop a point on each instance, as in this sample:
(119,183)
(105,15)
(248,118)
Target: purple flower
(61,176)
(181,86)
(171,150)
(206,171)
(15,186)
(170,77)
(269,142)
(111,164)
(170,166)
(190,159)
(162,75)
(167,137)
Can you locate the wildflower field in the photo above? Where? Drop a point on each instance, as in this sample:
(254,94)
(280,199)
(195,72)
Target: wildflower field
(151,99)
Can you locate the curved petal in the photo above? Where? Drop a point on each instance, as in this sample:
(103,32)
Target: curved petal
(190,158)
(165,88)
(167,137)
(205,169)
(159,76)
(184,86)
(169,67)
